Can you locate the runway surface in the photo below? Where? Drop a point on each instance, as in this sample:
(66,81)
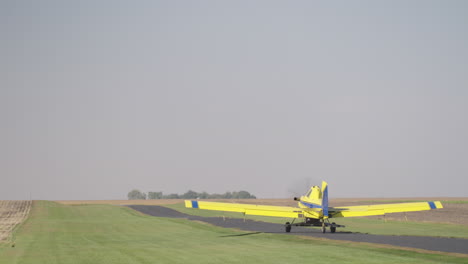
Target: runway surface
(454,245)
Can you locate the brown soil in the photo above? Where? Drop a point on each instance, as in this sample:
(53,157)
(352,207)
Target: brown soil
(12,213)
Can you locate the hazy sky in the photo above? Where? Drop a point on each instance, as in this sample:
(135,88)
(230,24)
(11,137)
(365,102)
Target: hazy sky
(100,97)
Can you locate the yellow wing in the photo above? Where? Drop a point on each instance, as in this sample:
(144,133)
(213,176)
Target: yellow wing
(251,209)
(381,209)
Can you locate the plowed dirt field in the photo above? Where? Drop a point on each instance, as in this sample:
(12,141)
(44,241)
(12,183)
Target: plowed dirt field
(12,213)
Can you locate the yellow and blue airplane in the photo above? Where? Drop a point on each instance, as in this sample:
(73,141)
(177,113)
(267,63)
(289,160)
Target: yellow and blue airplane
(313,209)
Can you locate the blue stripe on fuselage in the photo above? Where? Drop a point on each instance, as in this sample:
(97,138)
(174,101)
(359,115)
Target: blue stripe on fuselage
(195,204)
(432,205)
(311,205)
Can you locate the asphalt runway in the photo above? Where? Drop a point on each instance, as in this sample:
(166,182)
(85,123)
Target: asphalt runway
(453,245)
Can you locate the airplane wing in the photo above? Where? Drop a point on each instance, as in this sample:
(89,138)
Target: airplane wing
(251,209)
(382,209)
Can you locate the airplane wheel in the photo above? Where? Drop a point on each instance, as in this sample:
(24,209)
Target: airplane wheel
(324,229)
(288,227)
(333,228)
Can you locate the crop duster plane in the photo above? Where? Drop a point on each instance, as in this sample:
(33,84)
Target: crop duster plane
(313,209)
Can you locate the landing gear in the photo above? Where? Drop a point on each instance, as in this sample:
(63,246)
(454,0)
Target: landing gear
(288,226)
(322,223)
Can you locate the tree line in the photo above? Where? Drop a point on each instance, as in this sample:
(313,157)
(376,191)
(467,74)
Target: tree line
(138,195)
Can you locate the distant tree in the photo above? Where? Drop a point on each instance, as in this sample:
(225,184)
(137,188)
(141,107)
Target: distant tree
(136,195)
(245,195)
(171,196)
(215,196)
(203,195)
(190,195)
(155,195)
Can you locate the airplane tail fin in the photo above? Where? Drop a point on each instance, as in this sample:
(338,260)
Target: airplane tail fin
(325,199)
(316,198)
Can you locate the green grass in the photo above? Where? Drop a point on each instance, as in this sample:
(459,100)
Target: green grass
(455,202)
(360,225)
(111,234)
(380,227)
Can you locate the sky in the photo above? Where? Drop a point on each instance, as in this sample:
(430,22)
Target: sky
(101,97)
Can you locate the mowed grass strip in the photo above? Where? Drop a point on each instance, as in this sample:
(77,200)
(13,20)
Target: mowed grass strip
(354,224)
(57,233)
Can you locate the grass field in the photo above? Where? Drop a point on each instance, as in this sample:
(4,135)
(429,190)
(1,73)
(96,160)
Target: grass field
(56,233)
